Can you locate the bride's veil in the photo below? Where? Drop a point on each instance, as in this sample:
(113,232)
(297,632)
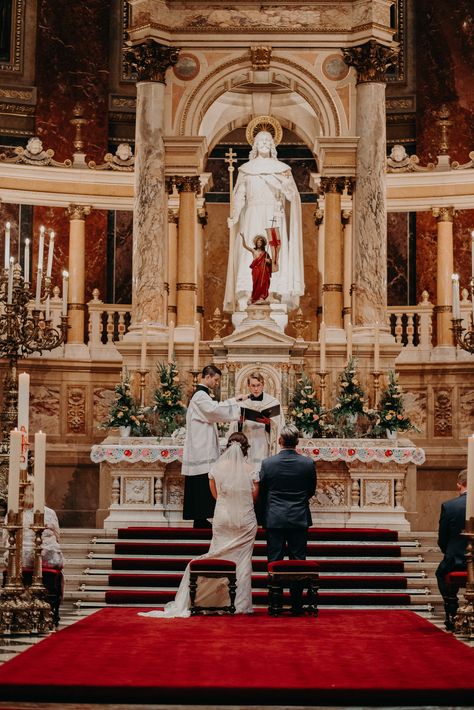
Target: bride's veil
(231,473)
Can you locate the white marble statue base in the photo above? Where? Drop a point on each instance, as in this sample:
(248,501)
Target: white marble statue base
(271,315)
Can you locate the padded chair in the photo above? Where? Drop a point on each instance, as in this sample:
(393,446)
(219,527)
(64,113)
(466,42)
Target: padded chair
(454,581)
(213,569)
(283,574)
(53,581)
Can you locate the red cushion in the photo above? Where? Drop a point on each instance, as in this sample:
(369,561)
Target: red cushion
(459,578)
(293,566)
(211,564)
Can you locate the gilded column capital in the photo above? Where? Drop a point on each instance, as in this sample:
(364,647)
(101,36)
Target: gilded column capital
(78,211)
(187,183)
(149,60)
(370,60)
(333,184)
(443,214)
(173,216)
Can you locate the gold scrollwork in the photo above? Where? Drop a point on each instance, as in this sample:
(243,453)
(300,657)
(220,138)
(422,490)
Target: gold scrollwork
(264,123)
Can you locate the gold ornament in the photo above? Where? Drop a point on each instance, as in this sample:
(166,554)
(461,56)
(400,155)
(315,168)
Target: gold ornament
(264,123)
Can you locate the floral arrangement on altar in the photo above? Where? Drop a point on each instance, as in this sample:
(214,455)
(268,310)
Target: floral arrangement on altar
(390,415)
(350,403)
(123,411)
(168,397)
(305,409)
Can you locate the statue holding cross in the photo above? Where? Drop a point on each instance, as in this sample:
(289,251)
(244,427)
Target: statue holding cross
(265,201)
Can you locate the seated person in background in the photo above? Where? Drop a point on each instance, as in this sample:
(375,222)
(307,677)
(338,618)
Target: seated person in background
(51,554)
(452,522)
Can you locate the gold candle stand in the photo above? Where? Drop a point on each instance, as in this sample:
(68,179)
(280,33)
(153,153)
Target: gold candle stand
(143,374)
(464,621)
(322,387)
(376,376)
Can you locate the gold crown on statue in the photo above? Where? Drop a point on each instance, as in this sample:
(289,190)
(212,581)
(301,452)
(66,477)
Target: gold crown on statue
(264,123)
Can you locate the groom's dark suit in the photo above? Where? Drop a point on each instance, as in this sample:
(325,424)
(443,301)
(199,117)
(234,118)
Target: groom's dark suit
(287,482)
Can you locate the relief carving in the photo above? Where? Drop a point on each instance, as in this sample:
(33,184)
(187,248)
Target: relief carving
(377,493)
(443,413)
(76,410)
(137,491)
(330,493)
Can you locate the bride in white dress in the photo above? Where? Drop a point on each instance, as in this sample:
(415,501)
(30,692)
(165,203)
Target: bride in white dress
(234,484)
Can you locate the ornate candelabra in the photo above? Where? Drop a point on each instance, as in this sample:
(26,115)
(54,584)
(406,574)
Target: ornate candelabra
(376,376)
(143,374)
(464,621)
(464,338)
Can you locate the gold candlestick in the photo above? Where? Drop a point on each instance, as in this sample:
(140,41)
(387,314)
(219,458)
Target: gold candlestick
(376,376)
(143,374)
(322,387)
(464,621)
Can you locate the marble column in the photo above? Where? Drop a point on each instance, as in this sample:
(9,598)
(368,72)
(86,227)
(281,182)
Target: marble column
(201,223)
(444,271)
(319,223)
(149,60)
(333,188)
(347,281)
(186,286)
(172,262)
(77,269)
(370,213)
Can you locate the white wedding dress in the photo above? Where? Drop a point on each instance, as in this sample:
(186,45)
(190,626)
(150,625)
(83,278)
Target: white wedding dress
(233,535)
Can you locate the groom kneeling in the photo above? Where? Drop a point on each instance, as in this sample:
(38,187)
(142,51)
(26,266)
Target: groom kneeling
(287,483)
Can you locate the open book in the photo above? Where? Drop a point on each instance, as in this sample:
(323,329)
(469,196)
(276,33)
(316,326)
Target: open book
(263,416)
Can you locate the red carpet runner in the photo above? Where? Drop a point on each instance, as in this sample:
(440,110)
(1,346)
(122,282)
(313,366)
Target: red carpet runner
(343,657)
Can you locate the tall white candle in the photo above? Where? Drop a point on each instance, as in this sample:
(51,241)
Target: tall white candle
(27,261)
(7,245)
(14,471)
(40,471)
(49,266)
(171,341)
(41,249)
(322,347)
(376,348)
(144,345)
(39,279)
(47,310)
(10,280)
(65,285)
(349,340)
(197,337)
(456,304)
(470,478)
(23,400)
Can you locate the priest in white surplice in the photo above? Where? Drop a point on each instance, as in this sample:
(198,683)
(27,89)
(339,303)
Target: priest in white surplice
(262,436)
(201,447)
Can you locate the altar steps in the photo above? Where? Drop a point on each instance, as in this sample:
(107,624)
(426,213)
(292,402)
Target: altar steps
(359,568)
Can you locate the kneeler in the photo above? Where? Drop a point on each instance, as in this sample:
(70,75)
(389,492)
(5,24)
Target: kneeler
(454,582)
(213,569)
(53,581)
(283,574)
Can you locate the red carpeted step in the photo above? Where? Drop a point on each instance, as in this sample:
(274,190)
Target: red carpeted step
(194,549)
(325,598)
(330,582)
(336,534)
(171,563)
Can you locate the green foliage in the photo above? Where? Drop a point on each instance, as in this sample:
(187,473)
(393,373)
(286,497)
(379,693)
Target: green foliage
(168,400)
(350,401)
(391,410)
(305,410)
(123,411)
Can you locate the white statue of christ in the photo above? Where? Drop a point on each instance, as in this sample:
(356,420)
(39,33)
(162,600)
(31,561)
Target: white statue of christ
(265,195)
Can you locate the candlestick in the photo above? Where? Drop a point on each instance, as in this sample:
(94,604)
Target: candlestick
(376,349)
(322,387)
(376,376)
(39,472)
(456,304)
(27,261)
(39,279)
(10,280)
(144,344)
(171,341)
(7,245)
(143,373)
(49,266)
(41,249)
(470,478)
(472,253)
(65,285)
(14,471)
(196,345)
(322,347)
(349,340)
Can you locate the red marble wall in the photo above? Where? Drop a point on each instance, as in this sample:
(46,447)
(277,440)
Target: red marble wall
(72,64)
(444,58)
